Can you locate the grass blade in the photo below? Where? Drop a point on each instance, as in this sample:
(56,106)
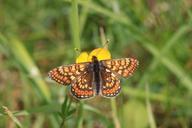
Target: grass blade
(23,58)
(149,109)
(12,117)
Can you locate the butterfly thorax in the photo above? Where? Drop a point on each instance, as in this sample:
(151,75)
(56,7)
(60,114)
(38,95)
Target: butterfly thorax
(96,72)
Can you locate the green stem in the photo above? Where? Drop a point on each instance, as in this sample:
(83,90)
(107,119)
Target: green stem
(114,113)
(62,124)
(83,17)
(75,24)
(149,109)
(76,41)
(80,115)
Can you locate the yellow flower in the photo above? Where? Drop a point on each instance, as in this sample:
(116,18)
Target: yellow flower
(83,57)
(100,53)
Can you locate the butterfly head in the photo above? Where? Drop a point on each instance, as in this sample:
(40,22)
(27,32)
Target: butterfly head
(94,59)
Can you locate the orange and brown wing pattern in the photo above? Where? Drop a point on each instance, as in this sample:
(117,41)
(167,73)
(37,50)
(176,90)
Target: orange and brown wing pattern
(66,74)
(82,87)
(123,67)
(110,83)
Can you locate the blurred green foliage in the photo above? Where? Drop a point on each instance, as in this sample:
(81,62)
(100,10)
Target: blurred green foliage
(38,35)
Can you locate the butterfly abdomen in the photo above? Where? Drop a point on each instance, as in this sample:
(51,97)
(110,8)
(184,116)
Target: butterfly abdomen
(96,71)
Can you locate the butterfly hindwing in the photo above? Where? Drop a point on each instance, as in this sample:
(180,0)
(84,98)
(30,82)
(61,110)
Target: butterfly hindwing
(66,74)
(110,83)
(123,67)
(82,86)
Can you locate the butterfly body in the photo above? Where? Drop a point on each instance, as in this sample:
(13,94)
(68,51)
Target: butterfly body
(94,78)
(96,74)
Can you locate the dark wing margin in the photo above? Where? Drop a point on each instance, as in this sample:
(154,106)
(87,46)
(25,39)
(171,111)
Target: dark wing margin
(123,67)
(66,74)
(110,83)
(83,86)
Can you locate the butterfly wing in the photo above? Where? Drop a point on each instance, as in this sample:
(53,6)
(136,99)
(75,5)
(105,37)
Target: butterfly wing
(110,83)
(66,74)
(83,86)
(123,67)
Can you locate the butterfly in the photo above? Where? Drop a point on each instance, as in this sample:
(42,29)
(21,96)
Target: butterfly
(89,79)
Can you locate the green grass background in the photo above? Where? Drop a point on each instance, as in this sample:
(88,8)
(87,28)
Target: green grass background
(38,35)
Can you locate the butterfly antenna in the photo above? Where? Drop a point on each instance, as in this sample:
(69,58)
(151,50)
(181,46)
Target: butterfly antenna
(102,35)
(106,44)
(77,50)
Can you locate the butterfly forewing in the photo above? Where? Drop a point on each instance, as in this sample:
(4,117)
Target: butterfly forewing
(123,67)
(83,86)
(110,83)
(66,74)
